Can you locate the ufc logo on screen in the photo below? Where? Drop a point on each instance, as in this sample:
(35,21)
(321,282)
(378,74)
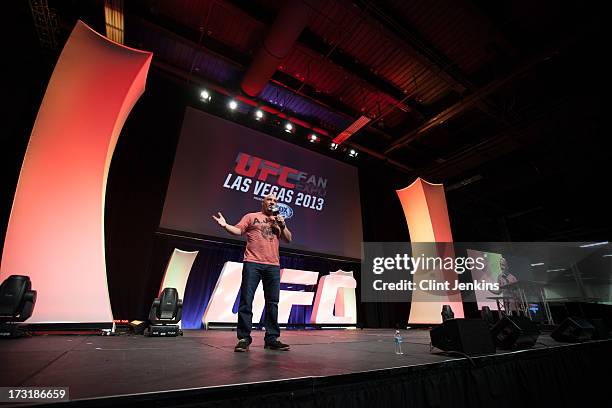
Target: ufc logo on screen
(335,291)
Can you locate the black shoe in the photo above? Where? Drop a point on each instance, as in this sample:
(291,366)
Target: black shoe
(277,345)
(242,346)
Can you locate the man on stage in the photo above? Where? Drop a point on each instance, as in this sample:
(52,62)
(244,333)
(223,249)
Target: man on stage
(263,230)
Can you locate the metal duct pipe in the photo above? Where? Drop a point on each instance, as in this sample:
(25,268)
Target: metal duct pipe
(287,27)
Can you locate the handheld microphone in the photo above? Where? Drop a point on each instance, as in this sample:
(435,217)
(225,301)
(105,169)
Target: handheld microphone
(275,212)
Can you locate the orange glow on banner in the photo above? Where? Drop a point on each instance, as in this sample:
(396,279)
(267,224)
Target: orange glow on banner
(56,227)
(426,214)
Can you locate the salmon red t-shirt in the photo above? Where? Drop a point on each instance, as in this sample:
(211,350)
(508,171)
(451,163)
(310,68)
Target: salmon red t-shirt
(262,241)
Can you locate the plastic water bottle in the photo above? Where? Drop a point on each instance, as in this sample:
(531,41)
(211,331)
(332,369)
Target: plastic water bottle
(398,342)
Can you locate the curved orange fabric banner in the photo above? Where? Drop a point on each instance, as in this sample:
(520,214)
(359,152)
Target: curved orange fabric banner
(426,214)
(55,233)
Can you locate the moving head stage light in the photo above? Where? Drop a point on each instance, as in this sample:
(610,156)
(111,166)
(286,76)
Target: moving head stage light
(17,301)
(166,312)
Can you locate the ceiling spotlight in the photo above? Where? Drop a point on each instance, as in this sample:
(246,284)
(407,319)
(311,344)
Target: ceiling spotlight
(205,96)
(353,153)
(333,146)
(259,114)
(232,104)
(288,127)
(313,138)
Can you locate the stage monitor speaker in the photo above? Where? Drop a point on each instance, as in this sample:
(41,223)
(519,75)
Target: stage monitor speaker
(573,330)
(468,336)
(601,329)
(487,315)
(515,332)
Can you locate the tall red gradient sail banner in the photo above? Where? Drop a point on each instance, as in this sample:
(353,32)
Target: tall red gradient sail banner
(55,233)
(426,214)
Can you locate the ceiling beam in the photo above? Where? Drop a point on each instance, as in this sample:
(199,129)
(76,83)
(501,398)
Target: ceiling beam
(45,23)
(113,18)
(210,45)
(313,42)
(183,74)
(197,40)
(502,143)
(278,78)
(426,53)
(467,103)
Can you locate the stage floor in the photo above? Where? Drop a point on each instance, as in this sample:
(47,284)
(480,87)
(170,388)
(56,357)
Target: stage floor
(103,366)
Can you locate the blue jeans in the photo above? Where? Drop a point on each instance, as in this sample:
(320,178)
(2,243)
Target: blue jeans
(252,273)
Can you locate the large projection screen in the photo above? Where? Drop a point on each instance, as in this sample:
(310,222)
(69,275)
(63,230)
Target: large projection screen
(223,166)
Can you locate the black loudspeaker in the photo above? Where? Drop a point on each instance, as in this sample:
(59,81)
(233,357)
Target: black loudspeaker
(601,329)
(515,332)
(468,336)
(487,315)
(574,329)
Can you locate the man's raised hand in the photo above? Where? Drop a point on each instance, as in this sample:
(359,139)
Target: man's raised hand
(220,220)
